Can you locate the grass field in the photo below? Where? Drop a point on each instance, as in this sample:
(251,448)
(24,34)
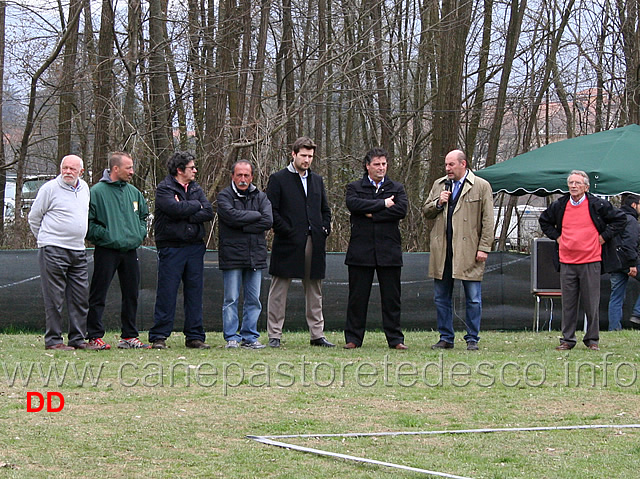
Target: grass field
(180,412)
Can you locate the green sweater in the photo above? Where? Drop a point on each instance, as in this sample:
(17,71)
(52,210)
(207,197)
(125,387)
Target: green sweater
(117,215)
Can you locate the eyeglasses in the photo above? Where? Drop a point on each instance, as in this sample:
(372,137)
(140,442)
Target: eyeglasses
(191,167)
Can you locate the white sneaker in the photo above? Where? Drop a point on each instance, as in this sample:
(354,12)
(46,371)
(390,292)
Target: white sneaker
(132,343)
(253,345)
(232,344)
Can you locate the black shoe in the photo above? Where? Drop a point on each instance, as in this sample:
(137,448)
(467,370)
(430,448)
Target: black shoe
(322,342)
(472,346)
(196,344)
(442,345)
(274,342)
(159,344)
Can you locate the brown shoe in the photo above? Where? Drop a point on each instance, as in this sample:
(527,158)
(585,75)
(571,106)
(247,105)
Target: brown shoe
(350,346)
(87,346)
(60,347)
(196,344)
(399,346)
(593,347)
(564,347)
(442,345)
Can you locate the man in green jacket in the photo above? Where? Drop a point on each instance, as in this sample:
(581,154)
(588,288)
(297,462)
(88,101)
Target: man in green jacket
(117,226)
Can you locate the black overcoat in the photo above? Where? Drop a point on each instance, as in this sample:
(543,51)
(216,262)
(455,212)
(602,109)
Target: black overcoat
(295,216)
(375,241)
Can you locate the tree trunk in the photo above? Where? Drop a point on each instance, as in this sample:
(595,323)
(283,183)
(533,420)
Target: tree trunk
(288,83)
(478,100)
(129,107)
(513,36)
(450,56)
(3,171)
(20,222)
(384,104)
(258,76)
(67,83)
(103,91)
(628,13)
(159,88)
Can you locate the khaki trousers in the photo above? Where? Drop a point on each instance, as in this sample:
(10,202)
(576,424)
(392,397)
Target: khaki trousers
(277,302)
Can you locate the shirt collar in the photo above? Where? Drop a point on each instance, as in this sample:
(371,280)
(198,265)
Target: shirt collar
(577,203)
(292,169)
(461,180)
(375,185)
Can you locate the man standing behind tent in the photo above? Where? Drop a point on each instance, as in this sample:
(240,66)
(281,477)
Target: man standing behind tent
(58,220)
(301,223)
(245,214)
(117,226)
(461,239)
(627,247)
(182,208)
(581,224)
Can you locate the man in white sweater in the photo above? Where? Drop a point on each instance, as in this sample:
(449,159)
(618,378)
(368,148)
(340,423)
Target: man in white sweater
(59,221)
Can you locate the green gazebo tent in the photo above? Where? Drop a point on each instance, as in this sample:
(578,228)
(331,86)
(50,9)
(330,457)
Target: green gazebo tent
(611,159)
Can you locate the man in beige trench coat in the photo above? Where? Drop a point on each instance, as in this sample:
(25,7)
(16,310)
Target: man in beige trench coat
(462,206)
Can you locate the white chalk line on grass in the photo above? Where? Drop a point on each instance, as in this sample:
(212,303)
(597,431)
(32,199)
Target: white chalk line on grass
(273,441)
(33,278)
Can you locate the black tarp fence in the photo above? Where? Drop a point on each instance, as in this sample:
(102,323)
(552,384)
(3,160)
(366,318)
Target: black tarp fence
(506,291)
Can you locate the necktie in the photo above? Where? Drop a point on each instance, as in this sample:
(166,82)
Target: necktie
(456,189)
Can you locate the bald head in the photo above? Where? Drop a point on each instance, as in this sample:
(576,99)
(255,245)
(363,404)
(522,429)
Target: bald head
(455,165)
(71,168)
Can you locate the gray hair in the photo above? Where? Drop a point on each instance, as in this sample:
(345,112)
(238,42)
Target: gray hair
(579,173)
(72,156)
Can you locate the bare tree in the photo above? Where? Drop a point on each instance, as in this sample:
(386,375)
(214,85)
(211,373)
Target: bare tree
(103,79)
(67,82)
(3,170)
(29,125)
(159,101)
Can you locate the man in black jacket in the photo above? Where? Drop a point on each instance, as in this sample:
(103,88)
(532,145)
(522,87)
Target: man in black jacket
(627,246)
(583,225)
(377,204)
(301,223)
(245,214)
(182,208)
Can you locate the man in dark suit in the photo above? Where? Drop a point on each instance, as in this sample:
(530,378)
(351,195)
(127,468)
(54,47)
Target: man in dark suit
(301,223)
(377,204)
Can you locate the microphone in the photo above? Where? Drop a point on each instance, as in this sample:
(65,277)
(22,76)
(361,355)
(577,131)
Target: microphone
(448,184)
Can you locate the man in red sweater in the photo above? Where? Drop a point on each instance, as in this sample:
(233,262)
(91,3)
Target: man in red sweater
(581,224)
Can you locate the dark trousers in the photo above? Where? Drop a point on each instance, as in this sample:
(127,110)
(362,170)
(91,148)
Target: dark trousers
(580,286)
(64,278)
(177,265)
(360,281)
(106,262)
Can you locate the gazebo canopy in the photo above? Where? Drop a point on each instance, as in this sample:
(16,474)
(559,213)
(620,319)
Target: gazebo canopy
(611,159)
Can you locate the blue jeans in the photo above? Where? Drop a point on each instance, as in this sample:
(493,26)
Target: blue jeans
(176,265)
(250,280)
(616,300)
(443,292)
(636,308)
